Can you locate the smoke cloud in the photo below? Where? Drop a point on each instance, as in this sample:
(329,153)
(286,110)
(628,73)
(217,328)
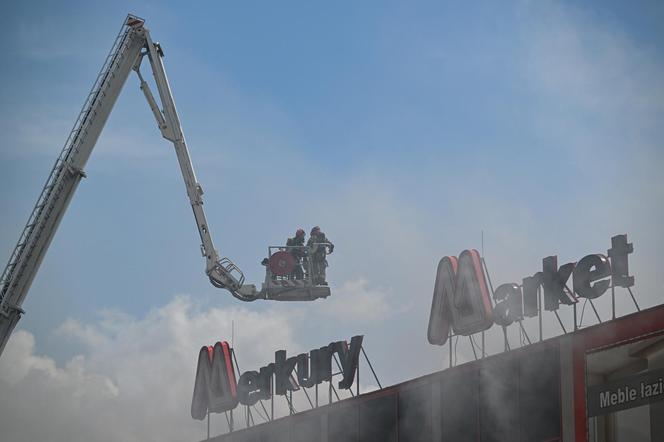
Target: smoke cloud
(134,378)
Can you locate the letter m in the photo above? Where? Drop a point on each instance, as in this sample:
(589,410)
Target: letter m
(461,299)
(215,387)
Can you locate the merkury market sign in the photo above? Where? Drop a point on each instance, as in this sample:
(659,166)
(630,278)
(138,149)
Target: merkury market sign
(462,302)
(216,390)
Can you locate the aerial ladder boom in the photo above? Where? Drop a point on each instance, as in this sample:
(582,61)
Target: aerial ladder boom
(130,47)
(64,179)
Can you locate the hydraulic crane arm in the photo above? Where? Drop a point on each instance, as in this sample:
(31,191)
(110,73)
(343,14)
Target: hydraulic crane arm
(222,273)
(130,46)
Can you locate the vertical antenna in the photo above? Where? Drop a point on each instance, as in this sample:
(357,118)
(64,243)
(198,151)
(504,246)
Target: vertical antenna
(483,338)
(482,243)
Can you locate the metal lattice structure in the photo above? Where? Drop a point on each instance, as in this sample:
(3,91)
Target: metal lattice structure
(64,178)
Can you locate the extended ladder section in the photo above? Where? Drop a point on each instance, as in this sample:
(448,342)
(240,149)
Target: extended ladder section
(64,177)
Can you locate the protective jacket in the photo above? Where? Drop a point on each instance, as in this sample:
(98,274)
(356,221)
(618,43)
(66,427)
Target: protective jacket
(297,242)
(319,243)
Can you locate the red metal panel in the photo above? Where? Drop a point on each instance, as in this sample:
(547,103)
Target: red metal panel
(282,263)
(617,331)
(228,360)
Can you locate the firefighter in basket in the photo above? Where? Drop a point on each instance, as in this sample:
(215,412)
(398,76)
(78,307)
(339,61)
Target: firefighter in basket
(319,247)
(296,249)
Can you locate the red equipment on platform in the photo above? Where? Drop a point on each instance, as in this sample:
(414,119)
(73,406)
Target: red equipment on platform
(282,263)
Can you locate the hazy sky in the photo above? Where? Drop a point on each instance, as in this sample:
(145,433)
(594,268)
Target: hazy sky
(403,130)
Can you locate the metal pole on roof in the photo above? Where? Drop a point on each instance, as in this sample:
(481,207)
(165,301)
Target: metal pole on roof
(483,343)
(595,310)
(357,381)
(304,389)
(472,345)
(335,392)
(450,341)
(524,332)
(483,353)
(370,366)
(539,311)
(634,299)
(561,322)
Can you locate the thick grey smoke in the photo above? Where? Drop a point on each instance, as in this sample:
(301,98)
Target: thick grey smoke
(134,378)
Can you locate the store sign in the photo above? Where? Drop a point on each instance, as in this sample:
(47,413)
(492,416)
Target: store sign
(461,301)
(634,391)
(215,389)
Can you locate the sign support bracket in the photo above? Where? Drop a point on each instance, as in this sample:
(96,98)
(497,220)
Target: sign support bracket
(633,299)
(560,321)
(523,329)
(539,311)
(304,389)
